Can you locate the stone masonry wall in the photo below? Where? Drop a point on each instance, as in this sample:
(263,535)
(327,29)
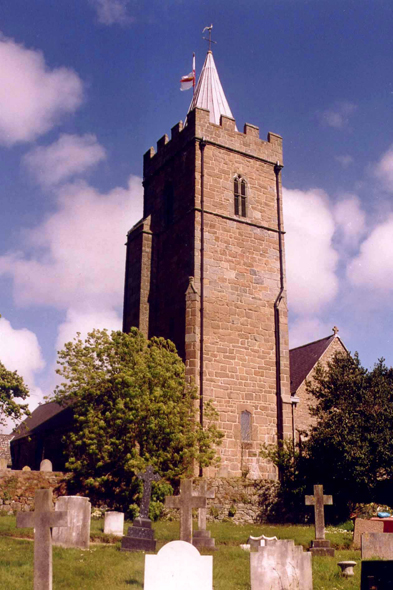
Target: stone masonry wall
(17,488)
(303,419)
(242,281)
(237,499)
(5,452)
(241,284)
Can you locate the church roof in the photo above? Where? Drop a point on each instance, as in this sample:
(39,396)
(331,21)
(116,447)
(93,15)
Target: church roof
(209,93)
(40,415)
(303,359)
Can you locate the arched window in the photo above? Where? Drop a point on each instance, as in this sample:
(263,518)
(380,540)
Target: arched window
(240,196)
(245,426)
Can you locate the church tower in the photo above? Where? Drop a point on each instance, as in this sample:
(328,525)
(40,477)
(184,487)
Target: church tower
(205,268)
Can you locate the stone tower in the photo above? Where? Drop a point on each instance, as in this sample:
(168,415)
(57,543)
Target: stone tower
(205,268)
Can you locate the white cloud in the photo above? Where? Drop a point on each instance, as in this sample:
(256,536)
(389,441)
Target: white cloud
(77,254)
(33,97)
(338,116)
(112,12)
(350,219)
(84,321)
(345,160)
(68,156)
(384,169)
(20,351)
(307,329)
(311,258)
(373,267)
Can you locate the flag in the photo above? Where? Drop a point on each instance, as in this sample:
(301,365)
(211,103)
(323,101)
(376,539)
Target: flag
(187,82)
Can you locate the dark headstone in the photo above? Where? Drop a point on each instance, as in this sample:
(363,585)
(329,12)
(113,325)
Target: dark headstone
(140,536)
(320,546)
(377,575)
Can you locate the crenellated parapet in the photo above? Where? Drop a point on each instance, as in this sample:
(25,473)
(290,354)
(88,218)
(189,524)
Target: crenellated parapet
(225,135)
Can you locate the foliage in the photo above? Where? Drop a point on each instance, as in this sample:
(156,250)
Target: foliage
(350,449)
(12,387)
(132,408)
(285,502)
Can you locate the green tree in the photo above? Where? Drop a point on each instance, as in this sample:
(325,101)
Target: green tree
(350,449)
(12,387)
(132,407)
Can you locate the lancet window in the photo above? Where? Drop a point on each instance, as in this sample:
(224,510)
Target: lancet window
(245,426)
(240,196)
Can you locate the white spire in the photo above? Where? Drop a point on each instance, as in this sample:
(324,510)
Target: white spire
(209,93)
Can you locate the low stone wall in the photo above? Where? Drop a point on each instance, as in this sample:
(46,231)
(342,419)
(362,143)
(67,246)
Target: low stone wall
(239,499)
(17,488)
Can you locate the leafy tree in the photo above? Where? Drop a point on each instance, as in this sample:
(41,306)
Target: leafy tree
(12,387)
(350,448)
(132,407)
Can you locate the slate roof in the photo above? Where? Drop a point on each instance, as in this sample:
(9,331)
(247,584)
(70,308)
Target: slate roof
(39,416)
(209,93)
(303,358)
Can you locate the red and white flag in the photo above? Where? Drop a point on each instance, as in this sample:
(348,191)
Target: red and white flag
(187,82)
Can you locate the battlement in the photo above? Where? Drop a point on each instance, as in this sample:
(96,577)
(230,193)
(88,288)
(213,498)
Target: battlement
(225,135)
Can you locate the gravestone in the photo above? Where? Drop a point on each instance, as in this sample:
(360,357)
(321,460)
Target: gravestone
(185,502)
(377,575)
(178,566)
(77,534)
(377,546)
(42,520)
(114,523)
(46,465)
(3,464)
(320,546)
(365,526)
(140,536)
(201,538)
(26,468)
(255,542)
(280,565)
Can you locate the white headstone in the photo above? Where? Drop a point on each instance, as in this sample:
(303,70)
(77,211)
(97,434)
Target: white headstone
(114,523)
(77,534)
(281,565)
(46,465)
(178,566)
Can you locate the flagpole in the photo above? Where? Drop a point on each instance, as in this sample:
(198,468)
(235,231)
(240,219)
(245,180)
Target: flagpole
(193,73)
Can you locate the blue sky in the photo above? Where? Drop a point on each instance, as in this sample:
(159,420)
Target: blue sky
(87,86)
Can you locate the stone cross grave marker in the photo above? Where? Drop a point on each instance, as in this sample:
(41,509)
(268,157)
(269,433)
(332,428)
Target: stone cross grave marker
(202,512)
(320,546)
(185,502)
(318,500)
(42,519)
(147,477)
(201,537)
(140,536)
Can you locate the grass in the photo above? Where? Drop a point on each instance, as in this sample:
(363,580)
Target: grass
(105,566)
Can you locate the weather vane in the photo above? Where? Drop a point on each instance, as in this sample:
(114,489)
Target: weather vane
(209,40)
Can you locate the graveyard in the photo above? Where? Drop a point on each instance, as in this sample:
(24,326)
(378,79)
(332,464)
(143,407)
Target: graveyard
(104,565)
